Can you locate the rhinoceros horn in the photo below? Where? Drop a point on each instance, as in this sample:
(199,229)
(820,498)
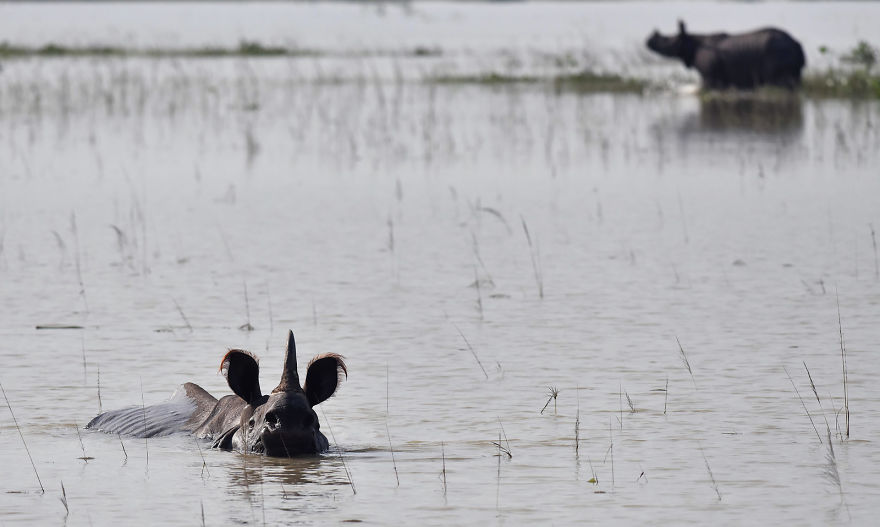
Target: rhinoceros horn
(289,376)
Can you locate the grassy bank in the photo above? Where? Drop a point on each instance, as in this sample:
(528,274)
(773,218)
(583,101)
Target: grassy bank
(245,48)
(856,84)
(834,83)
(854,78)
(585,82)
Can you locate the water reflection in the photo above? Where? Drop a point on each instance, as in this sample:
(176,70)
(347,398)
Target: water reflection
(292,473)
(757,113)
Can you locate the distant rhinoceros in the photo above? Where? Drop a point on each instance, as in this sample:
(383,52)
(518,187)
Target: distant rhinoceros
(746,61)
(281,424)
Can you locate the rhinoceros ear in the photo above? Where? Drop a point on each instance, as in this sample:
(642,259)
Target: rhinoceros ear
(243,374)
(323,376)
(682,30)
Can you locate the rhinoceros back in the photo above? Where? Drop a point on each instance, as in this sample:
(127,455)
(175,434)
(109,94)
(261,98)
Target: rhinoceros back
(175,415)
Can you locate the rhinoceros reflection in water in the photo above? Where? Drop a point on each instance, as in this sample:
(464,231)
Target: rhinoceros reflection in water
(282,423)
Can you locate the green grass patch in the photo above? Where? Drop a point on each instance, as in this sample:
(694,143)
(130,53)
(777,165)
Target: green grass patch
(589,82)
(487,79)
(584,82)
(854,78)
(837,83)
(245,48)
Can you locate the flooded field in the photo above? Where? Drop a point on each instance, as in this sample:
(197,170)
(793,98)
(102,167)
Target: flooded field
(555,306)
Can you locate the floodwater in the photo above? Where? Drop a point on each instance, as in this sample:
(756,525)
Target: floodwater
(163,204)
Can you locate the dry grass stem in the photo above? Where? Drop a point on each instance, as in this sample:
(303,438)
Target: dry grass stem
(498,474)
(81,444)
(63,499)
(843,363)
(100,404)
(21,435)
(802,403)
(443,472)
(479,292)
(577,422)
(665,395)
(830,471)
(474,353)
(124,461)
(502,450)
(711,476)
(82,342)
(506,441)
(552,395)
(144,413)
(535,255)
(82,287)
(816,394)
(387,430)
(476,248)
(685,361)
(497,214)
(339,451)
(390,235)
(204,462)
(611,451)
(874,244)
(182,315)
(247,326)
(595,479)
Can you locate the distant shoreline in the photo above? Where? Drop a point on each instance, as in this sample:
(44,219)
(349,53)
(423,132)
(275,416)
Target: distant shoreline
(852,83)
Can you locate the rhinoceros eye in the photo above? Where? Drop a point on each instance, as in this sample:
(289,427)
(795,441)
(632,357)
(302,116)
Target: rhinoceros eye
(251,423)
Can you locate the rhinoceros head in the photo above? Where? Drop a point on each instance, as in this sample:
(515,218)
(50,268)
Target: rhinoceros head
(282,423)
(678,46)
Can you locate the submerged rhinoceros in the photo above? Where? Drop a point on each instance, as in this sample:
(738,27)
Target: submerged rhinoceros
(282,423)
(746,61)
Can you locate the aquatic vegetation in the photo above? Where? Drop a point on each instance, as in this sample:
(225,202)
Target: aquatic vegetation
(584,82)
(245,48)
(587,81)
(852,78)
(199,184)
(856,84)
(863,55)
